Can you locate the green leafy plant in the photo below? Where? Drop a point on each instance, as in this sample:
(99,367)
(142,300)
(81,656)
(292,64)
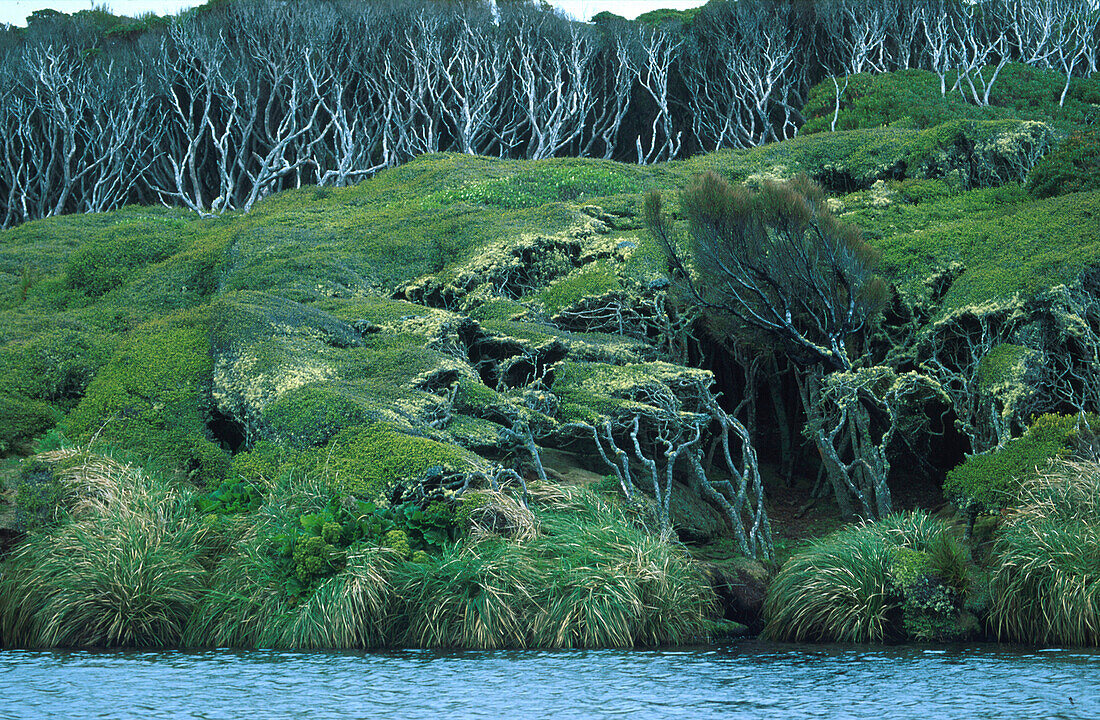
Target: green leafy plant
(1073,167)
(230,498)
(928,583)
(987,483)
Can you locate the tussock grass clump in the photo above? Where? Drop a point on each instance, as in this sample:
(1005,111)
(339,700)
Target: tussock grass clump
(586,579)
(492,512)
(254,599)
(1046,577)
(122,573)
(842,588)
(247,606)
(132,562)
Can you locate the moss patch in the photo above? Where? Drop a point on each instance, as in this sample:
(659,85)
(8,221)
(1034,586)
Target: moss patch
(369,460)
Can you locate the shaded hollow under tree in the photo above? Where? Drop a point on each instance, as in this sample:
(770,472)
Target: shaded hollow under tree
(776,264)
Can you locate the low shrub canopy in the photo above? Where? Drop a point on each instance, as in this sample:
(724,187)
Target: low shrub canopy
(988,482)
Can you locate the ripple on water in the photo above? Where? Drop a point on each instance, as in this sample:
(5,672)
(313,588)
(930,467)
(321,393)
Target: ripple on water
(742,680)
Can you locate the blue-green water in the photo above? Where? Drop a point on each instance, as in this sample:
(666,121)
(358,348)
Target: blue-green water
(741,680)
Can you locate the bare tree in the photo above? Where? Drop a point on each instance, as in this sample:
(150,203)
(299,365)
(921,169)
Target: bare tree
(554,81)
(741,74)
(651,57)
(858,32)
(980,41)
(1075,47)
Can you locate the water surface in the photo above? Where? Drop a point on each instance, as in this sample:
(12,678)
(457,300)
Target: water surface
(742,680)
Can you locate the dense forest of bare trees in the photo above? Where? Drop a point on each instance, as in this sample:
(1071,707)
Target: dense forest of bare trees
(216,109)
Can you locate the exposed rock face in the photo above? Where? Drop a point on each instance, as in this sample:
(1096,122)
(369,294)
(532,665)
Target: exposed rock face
(740,586)
(694,520)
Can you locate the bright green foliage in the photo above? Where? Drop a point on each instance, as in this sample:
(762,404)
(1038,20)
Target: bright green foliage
(1003,364)
(315,558)
(398,541)
(667,16)
(152,398)
(22,420)
(54,365)
(475,398)
(498,309)
(988,482)
(368,460)
(1046,561)
(539,183)
(264,463)
(97,268)
(908,98)
(912,99)
(591,280)
(428,529)
(317,547)
(1007,244)
(848,586)
(308,245)
(1073,167)
(968,153)
(230,498)
(309,416)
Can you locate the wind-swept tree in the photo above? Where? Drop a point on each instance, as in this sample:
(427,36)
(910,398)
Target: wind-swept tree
(777,261)
(777,265)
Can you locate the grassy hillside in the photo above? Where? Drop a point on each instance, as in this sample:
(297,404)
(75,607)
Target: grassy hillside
(398,340)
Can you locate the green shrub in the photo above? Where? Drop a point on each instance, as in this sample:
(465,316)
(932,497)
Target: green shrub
(152,400)
(1008,243)
(908,98)
(988,482)
(355,608)
(55,365)
(852,585)
(912,99)
(591,280)
(100,266)
(313,571)
(264,463)
(40,498)
(1073,167)
(369,460)
(22,420)
(539,183)
(309,416)
(1046,560)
